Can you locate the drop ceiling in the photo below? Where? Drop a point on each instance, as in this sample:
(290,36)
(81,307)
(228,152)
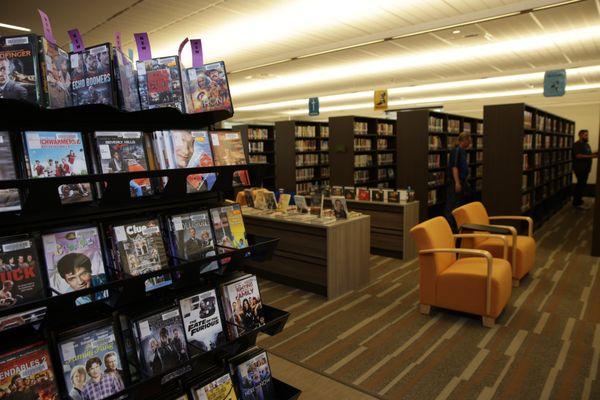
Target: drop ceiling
(249,35)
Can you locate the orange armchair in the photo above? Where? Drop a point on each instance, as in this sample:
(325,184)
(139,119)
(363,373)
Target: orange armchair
(478,284)
(522,256)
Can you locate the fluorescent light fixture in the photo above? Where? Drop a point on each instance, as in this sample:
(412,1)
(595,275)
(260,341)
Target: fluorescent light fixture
(368,94)
(15,27)
(456,31)
(410,62)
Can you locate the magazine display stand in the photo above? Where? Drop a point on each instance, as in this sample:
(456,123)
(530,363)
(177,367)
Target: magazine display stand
(42,210)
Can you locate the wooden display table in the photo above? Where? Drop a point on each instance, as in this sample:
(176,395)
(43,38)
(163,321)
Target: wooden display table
(326,259)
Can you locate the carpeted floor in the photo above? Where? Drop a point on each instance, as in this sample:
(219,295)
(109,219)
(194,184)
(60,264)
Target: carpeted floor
(546,344)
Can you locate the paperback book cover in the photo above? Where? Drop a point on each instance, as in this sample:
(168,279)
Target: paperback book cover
(161,342)
(19,71)
(74,262)
(56,75)
(140,249)
(242,305)
(192,237)
(202,320)
(91,364)
(26,373)
(159,83)
(228,148)
(392,196)
(51,154)
(10,199)
(284,201)
(254,377)
(337,191)
(363,194)
(208,87)
(300,202)
(92,80)
(377,195)
(124,152)
(265,200)
(218,389)
(340,208)
(349,192)
(127,82)
(228,225)
(22,318)
(20,272)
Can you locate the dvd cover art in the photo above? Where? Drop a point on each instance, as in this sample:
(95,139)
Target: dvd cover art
(219,389)
(242,305)
(91,76)
(50,154)
(209,89)
(162,344)
(202,320)
(125,152)
(159,82)
(19,73)
(127,82)
(91,364)
(228,226)
(10,199)
(56,75)
(241,178)
(26,373)
(141,250)
(228,148)
(254,377)
(340,208)
(74,262)
(193,238)
(19,272)
(26,317)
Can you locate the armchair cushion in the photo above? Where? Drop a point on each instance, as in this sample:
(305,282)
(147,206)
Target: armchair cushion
(525,252)
(462,286)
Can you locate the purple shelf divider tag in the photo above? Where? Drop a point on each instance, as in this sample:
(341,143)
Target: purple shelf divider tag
(181,46)
(76,40)
(118,41)
(197,56)
(47,27)
(143,46)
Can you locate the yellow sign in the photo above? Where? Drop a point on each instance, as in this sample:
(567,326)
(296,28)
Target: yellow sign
(380,99)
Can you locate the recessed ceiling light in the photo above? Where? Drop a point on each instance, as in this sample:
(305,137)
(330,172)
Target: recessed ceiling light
(16,28)
(456,32)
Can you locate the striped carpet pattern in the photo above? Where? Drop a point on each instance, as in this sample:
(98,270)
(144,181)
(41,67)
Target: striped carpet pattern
(545,345)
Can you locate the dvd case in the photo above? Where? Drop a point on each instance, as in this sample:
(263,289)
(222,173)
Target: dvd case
(50,154)
(26,373)
(91,364)
(228,148)
(242,305)
(192,237)
(20,272)
(202,320)
(161,342)
(10,199)
(140,249)
(209,88)
(254,377)
(127,82)
(19,70)
(74,262)
(92,76)
(217,389)
(124,152)
(56,75)
(22,318)
(159,81)
(228,225)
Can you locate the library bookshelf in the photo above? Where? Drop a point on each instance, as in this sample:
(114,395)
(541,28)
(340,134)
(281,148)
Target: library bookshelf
(363,152)
(260,142)
(425,139)
(301,155)
(527,161)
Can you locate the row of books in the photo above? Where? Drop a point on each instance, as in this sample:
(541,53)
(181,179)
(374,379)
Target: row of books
(305,131)
(306,145)
(258,133)
(436,178)
(372,194)
(547,123)
(435,142)
(362,176)
(324,133)
(54,154)
(385,159)
(361,128)
(256,159)
(305,173)
(453,126)
(545,159)
(325,172)
(434,161)
(256,147)
(432,197)
(382,144)
(96,360)
(81,257)
(362,144)
(41,72)
(324,145)
(363,160)
(385,129)
(385,173)
(436,124)
(304,160)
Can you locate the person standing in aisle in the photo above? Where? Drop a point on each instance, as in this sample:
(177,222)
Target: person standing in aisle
(457,186)
(582,165)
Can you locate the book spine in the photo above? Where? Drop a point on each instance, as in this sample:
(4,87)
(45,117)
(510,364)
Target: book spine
(44,74)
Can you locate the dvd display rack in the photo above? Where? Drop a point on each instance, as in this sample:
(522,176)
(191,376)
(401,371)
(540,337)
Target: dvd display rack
(301,155)
(363,152)
(260,142)
(425,139)
(42,211)
(527,159)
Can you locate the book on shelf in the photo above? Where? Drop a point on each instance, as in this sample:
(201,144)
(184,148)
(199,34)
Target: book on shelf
(453,125)
(363,160)
(385,159)
(202,320)
(301,204)
(339,206)
(385,129)
(307,160)
(362,176)
(305,131)
(19,55)
(362,144)
(242,305)
(10,199)
(361,128)
(324,131)
(376,195)
(349,192)
(92,76)
(305,145)
(159,83)
(56,77)
(363,194)
(436,124)
(258,133)
(391,196)
(284,201)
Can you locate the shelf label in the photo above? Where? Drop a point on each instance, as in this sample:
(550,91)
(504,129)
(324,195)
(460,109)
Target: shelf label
(380,99)
(313,106)
(118,41)
(47,27)
(555,83)
(76,40)
(143,46)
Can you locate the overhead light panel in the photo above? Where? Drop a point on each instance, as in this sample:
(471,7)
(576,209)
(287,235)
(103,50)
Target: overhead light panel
(15,27)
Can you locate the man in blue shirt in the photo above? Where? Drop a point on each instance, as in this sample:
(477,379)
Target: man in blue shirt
(582,165)
(457,185)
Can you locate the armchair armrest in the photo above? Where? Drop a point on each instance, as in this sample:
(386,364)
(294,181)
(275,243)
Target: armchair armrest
(472,252)
(499,229)
(496,229)
(517,218)
(487,236)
